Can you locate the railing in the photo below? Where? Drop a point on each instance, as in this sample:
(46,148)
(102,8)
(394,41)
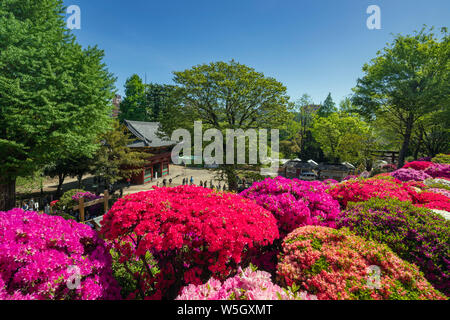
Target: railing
(82,205)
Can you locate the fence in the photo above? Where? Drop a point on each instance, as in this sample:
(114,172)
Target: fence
(82,205)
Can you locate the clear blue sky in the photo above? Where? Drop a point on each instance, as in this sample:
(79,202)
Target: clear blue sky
(312,46)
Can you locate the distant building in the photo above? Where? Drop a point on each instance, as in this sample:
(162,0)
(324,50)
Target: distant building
(296,168)
(335,171)
(150,139)
(116,103)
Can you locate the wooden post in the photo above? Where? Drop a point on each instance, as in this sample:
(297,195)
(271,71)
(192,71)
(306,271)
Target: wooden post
(81,204)
(106,198)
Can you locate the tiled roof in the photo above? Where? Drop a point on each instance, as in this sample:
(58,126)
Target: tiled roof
(147,134)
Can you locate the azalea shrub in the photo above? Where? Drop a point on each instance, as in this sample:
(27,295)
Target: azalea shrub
(438,170)
(191,233)
(415,234)
(433,200)
(336,264)
(410,174)
(418,165)
(295,203)
(438,183)
(365,189)
(445,192)
(43,257)
(247,284)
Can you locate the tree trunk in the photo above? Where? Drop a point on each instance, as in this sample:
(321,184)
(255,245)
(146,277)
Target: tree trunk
(406,140)
(61,178)
(7,193)
(232,177)
(80,178)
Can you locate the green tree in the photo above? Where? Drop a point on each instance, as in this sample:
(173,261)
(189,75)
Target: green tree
(115,160)
(56,97)
(327,107)
(344,138)
(407,80)
(232,96)
(69,167)
(134,106)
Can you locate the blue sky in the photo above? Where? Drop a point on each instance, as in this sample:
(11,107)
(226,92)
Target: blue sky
(311,46)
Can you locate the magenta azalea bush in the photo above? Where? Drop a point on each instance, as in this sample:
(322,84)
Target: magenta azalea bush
(247,284)
(295,203)
(438,170)
(410,174)
(41,257)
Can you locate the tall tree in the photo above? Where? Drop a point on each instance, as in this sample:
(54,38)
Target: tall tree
(327,107)
(232,96)
(344,138)
(134,106)
(55,97)
(408,79)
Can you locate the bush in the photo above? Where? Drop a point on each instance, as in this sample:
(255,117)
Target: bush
(192,233)
(418,165)
(415,234)
(441,158)
(247,284)
(438,184)
(39,254)
(335,264)
(363,190)
(295,203)
(66,201)
(438,170)
(410,174)
(433,201)
(445,192)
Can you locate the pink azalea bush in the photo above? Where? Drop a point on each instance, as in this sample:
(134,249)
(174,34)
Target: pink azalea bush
(295,203)
(247,284)
(40,253)
(410,174)
(365,189)
(192,233)
(418,165)
(438,170)
(440,191)
(336,264)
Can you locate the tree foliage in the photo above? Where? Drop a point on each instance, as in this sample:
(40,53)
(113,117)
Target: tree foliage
(407,80)
(55,96)
(344,137)
(115,160)
(232,96)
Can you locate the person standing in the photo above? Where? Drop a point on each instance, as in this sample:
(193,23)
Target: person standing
(36,206)
(170,181)
(164,182)
(192,180)
(128,182)
(47,209)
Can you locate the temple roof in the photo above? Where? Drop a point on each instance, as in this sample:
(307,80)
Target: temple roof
(147,134)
